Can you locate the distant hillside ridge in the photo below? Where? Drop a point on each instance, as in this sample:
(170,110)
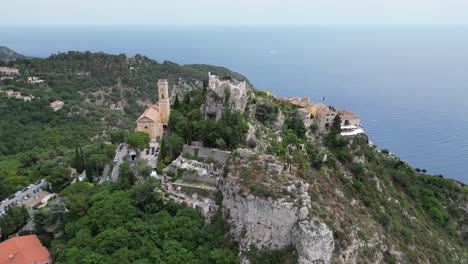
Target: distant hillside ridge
(8,55)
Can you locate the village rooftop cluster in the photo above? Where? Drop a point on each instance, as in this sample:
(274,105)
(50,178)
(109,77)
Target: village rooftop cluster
(323,116)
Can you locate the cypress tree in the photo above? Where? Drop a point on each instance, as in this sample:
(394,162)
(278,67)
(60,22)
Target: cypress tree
(176,102)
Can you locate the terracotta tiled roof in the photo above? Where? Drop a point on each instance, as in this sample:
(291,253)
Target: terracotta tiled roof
(152,113)
(345,114)
(56,103)
(324,111)
(295,102)
(23,249)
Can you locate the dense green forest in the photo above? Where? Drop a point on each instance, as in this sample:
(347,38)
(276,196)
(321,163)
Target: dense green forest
(129,224)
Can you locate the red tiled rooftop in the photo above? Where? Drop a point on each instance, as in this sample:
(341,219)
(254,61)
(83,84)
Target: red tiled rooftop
(151,112)
(324,111)
(345,114)
(23,250)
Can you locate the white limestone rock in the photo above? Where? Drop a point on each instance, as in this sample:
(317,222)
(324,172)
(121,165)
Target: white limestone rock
(275,224)
(314,243)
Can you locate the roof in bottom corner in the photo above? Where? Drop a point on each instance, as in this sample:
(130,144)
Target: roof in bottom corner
(151,112)
(23,249)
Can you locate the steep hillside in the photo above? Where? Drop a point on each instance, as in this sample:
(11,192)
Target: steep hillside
(296,186)
(101,92)
(116,81)
(8,55)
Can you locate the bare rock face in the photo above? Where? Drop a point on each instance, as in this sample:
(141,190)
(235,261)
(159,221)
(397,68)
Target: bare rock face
(266,224)
(217,100)
(212,108)
(314,242)
(274,223)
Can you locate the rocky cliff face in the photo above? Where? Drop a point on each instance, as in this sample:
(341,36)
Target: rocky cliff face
(222,96)
(271,223)
(313,242)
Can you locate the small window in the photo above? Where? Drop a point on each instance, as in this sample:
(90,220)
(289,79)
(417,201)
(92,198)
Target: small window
(146,127)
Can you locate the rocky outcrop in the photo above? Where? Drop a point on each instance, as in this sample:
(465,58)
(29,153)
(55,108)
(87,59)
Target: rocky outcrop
(213,107)
(222,94)
(271,223)
(7,54)
(313,242)
(266,224)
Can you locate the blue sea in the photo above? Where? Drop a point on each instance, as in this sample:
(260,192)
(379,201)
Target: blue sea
(408,84)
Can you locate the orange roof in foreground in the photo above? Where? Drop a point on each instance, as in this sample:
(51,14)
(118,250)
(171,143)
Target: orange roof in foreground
(151,112)
(23,249)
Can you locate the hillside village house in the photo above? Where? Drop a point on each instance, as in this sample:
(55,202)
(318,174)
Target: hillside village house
(324,118)
(11,93)
(2,78)
(156,117)
(350,123)
(306,115)
(8,71)
(35,80)
(56,105)
(348,118)
(24,250)
(28,98)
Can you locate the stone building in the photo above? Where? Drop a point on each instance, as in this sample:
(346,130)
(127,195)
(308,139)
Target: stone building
(8,71)
(156,117)
(324,118)
(238,90)
(350,123)
(349,118)
(35,80)
(56,105)
(306,115)
(222,90)
(11,94)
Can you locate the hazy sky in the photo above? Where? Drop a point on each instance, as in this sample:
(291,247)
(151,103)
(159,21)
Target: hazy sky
(234,12)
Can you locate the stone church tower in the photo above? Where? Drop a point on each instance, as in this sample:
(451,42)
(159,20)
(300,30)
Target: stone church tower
(164,104)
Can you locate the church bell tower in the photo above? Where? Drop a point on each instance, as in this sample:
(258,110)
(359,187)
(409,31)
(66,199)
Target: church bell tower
(164,106)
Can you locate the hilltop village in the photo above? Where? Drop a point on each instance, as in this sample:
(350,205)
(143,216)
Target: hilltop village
(198,168)
(115,158)
(321,117)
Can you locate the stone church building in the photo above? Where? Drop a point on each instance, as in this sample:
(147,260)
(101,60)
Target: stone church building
(156,117)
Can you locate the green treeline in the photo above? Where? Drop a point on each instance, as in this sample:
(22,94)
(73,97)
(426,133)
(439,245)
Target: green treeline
(129,224)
